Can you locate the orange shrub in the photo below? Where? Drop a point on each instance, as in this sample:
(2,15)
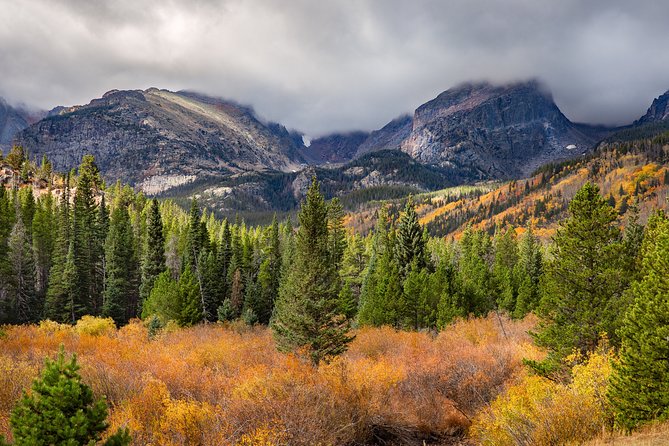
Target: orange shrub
(227,385)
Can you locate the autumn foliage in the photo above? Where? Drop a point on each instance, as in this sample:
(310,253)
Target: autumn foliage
(227,385)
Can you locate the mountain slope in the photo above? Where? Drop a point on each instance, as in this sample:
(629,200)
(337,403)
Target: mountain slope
(334,148)
(13,120)
(626,171)
(658,111)
(501,131)
(157,139)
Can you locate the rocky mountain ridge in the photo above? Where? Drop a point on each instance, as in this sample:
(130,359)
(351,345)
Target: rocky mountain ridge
(502,131)
(157,139)
(13,120)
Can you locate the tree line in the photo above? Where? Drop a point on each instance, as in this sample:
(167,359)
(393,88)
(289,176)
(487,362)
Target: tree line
(112,252)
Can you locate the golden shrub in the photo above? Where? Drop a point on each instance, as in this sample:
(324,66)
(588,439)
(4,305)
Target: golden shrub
(95,326)
(539,412)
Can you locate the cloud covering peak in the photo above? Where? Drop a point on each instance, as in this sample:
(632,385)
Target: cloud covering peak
(340,64)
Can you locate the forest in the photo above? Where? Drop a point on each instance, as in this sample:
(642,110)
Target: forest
(197,330)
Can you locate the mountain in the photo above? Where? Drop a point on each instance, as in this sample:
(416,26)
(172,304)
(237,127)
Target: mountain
(627,170)
(658,111)
(390,137)
(13,120)
(501,131)
(158,139)
(496,131)
(334,148)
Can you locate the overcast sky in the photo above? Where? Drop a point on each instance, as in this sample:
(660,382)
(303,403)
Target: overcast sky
(321,66)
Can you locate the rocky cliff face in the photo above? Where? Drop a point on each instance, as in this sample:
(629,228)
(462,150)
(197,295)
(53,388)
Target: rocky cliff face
(334,148)
(158,139)
(658,111)
(13,120)
(489,131)
(500,131)
(390,137)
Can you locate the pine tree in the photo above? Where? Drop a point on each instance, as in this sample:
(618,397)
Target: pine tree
(153,262)
(269,275)
(165,300)
(121,282)
(57,296)
(24,302)
(381,292)
(307,312)
(585,281)
(639,390)
(6,274)
(191,309)
(85,245)
(506,258)
(475,278)
(61,410)
(528,273)
(43,230)
(410,241)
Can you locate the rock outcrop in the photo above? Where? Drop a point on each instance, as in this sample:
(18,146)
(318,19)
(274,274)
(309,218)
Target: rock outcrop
(500,131)
(658,111)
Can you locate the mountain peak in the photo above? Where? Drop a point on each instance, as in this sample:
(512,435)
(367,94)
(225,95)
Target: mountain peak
(658,110)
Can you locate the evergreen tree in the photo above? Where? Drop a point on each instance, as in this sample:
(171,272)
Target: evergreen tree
(585,281)
(307,312)
(269,275)
(61,410)
(57,296)
(24,302)
(506,258)
(153,262)
(381,293)
(86,246)
(6,274)
(43,231)
(121,282)
(639,390)
(164,301)
(410,245)
(528,273)
(475,278)
(191,309)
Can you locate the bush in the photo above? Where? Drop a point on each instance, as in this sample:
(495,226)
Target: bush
(537,411)
(95,326)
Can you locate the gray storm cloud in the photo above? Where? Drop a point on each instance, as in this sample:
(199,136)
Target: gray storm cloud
(337,65)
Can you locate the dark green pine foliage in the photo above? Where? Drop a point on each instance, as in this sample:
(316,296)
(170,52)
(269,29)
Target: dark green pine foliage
(269,275)
(191,311)
(528,273)
(61,410)
(381,291)
(153,262)
(44,231)
(474,275)
(213,282)
(86,246)
(197,238)
(101,232)
(639,390)
(506,258)
(6,224)
(24,303)
(585,281)
(121,281)
(56,305)
(307,314)
(410,245)
(446,282)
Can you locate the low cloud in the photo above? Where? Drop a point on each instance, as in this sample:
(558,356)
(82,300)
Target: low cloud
(340,64)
